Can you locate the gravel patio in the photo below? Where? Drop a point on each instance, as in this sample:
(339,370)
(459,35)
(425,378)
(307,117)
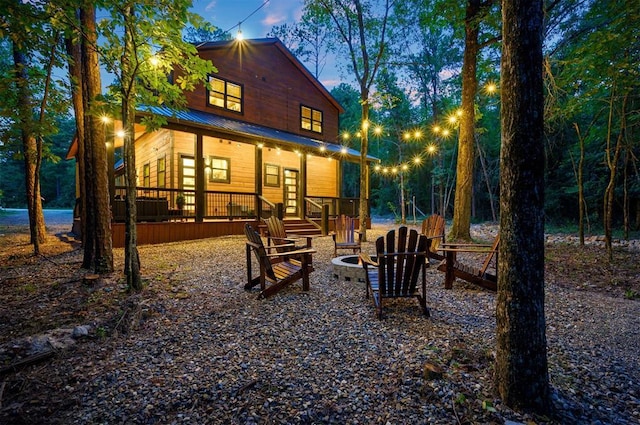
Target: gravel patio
(196,348)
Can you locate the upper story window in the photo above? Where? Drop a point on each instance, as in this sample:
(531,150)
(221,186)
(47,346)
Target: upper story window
(224,94)
(310,119)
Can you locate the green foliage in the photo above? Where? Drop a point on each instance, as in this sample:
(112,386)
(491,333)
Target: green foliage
(581,83)
(630,294)
(155,49)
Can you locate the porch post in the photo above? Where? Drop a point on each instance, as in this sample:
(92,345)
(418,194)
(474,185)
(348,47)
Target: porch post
(258,179)
(200,182)
(111,175)
(303,184)
(339,186)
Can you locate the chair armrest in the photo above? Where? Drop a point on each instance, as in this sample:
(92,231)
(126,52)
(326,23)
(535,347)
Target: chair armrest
(306,237)
(278,247)
(453,247)
(367,260)
(292,253)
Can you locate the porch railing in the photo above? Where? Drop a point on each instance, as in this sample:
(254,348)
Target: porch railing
(164,204)
(337,206)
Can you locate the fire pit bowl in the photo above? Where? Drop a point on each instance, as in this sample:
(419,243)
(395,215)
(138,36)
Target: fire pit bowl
(348,267)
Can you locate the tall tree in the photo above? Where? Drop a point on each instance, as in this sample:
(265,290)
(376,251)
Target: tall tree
(361,27)
(29,91)
(96,177)
(461,225)
(143,41)
(86,94)
(522,377)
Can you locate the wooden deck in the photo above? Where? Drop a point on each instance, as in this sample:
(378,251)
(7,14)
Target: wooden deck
(176,231)
(163,232)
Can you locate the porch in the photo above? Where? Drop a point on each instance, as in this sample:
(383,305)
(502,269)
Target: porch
(171,215)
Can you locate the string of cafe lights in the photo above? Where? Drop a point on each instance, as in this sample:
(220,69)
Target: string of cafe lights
(439,131)
(239,35)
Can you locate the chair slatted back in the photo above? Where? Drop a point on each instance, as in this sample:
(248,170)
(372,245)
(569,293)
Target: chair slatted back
(494,251)
(399,267)
(257,246)
(275,227)
(433,227)
(345,229)
(277,233)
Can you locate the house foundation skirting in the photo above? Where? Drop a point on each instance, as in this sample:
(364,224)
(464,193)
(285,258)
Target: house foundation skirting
(163,232)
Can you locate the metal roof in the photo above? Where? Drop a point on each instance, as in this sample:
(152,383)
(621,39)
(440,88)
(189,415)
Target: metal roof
(194,118)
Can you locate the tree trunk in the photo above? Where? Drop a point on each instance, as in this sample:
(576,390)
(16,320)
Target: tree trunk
(31,151)
(364,168)
(131,257)
(75,72)
(612,164)
(461,225)
(95,136)
(581,200)
(522,378)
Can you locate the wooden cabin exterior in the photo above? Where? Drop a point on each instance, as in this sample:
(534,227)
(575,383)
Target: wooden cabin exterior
(260,138)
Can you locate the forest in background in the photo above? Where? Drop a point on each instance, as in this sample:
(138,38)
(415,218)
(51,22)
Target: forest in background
(592,64)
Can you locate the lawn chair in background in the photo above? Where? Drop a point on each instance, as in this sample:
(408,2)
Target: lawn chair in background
(397,268)
(453,269)
(277,235)
(433,229)
(278,269)
(345,236)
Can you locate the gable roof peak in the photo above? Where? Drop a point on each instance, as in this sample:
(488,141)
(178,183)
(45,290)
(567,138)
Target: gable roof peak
(274,41)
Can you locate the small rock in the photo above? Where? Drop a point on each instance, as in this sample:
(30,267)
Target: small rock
(80,331)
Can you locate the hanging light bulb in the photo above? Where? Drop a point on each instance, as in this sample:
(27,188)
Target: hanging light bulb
(239,35)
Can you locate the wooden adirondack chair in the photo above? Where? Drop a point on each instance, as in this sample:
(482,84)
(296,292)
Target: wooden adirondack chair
(345,236)
(395,272)
(278,269)
(480,276)
(433,229)
(277,235)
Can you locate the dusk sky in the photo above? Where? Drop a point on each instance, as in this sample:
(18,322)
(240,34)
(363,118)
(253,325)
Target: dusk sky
(225,14)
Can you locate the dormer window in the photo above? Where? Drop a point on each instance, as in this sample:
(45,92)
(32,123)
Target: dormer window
(224,94)
(310,119)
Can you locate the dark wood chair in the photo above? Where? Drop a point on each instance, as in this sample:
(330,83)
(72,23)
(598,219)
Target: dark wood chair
(397,268)
(433,229)
(278,269)
(345,236)
(453,268)
(277,235)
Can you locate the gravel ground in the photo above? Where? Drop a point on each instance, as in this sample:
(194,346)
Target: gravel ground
(196,348)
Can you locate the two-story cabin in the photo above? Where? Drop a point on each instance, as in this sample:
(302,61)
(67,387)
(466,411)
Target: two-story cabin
(259,138)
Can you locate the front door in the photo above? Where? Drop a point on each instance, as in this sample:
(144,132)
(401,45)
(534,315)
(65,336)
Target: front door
(291,192)
(188,181)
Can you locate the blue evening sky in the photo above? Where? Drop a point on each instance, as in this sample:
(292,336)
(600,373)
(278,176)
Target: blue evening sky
(225,14)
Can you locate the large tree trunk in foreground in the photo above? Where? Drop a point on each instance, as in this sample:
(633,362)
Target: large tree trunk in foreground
(522,377)
(95,142)
(461,226)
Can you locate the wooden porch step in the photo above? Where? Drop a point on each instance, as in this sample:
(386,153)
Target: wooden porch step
(296,227)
